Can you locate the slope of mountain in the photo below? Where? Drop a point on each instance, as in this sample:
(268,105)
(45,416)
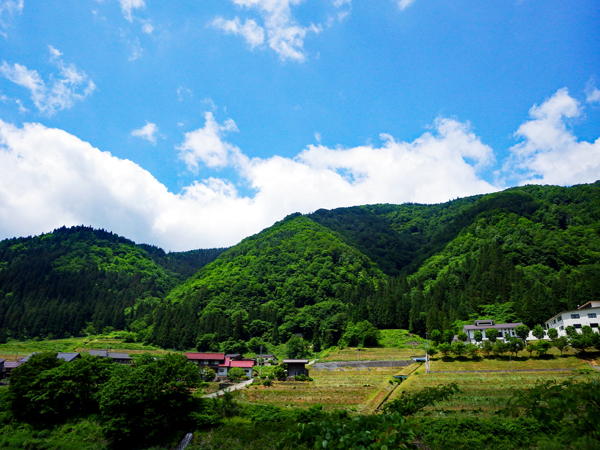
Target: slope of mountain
(59,283)
(277,276)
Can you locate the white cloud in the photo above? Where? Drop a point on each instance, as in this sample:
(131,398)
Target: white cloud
(550,153)
(136,50)
(147,132)
(340,3)
(147,27)
(127,6)
(283,33)
(63,90)
(206,144)
(8,8)
(592,93)
(403,4)
(49,178)
(253,33)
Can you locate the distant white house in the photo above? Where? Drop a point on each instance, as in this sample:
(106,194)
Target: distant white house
(505,330)
(587,314)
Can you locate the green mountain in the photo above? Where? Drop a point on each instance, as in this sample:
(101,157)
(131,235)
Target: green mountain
(287,278)
(78,278)
(522,254)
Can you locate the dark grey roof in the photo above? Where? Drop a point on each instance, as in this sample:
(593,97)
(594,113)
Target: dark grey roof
(496,326)
(68,356)
(23,360)
(106,354)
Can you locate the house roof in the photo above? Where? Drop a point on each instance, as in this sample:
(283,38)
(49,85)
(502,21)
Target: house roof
(106,354)
(25,359)
(209,356)
(497,326)
(232,355)
(295,361)
(68,356)
(12,364)
(2,360)
(242,364)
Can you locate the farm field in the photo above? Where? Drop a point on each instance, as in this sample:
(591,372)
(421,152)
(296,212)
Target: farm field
(18,349)
(483,393)
(522,362)
(360,390)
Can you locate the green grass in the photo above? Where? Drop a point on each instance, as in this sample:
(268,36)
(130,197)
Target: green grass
(484,393)
(13,349)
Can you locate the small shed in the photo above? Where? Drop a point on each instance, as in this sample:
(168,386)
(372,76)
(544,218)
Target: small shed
(121,358)
(296,367)
(9,366)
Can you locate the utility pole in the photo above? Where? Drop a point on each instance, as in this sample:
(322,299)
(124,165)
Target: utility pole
(426,354)
(358,348)
(260,362)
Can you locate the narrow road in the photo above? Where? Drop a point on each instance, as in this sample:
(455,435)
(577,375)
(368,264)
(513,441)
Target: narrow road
(235,387)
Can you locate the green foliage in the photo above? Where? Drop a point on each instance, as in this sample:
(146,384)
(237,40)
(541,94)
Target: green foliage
(448,336)
(436,337)
(542,347)
(515,345)
(445,348)
(522,331)
(77,280)
(486,347)
(478,335)
(142,403)
(492,334)
(279,371)
(552,334)
(410,403)
(458,348)
(569,404)
(462,336)
(561,343)
(49,390)
(296,348)
(538,332)
(363,333)
(235,374)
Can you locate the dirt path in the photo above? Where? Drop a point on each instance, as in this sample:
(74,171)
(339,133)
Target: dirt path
(235,387)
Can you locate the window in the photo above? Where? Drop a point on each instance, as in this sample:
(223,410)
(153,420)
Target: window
(561,328)
(576,325)
(592,315)
(574,316)
(594,325)
(559,318)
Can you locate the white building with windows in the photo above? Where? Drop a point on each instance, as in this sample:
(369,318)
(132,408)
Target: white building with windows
(587,314)
(505,330)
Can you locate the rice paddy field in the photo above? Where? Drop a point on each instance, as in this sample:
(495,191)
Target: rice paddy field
(358,390)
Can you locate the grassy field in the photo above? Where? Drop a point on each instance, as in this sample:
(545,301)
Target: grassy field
(361,391)
(483,393)
(13,350)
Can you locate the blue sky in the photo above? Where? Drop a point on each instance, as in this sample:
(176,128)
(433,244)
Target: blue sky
(197,123)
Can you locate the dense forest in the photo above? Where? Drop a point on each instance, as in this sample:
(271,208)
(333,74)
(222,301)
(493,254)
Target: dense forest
(523,254)
(78,279)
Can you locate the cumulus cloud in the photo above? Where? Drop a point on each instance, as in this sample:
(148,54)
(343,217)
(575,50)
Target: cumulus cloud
(147,132)
(250,30)
(127,6)
(50,178)
(60,93)
(549,152)
(206,144)
(592,93)
(283,33)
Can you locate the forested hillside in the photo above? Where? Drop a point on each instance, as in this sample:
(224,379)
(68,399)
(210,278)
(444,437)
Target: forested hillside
(523,254)
(77,279)
(283,280)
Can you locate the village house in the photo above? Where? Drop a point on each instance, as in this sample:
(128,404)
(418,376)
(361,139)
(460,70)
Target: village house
(269,358)
(120,358)
(505,330)
(585,315)
(221,363)
(296,367)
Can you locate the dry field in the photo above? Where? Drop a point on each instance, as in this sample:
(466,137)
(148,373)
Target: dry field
(349,388)
(372,354)
(505,363)
(483,393)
